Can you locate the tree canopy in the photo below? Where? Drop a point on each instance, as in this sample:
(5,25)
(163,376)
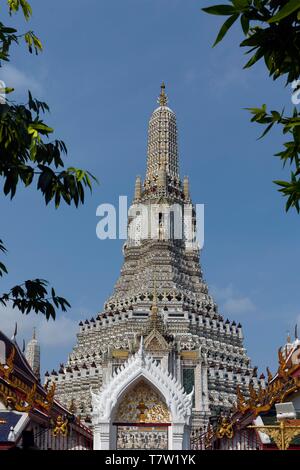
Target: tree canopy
(28,157)
(272,33)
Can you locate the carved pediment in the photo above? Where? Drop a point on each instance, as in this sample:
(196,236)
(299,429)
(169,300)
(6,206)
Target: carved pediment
(156,342)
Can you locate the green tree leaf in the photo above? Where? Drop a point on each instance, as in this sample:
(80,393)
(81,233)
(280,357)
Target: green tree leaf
(220,10)
(228,23)
(288,9)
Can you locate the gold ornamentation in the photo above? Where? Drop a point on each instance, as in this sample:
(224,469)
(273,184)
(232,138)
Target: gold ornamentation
(163,99)
(61,427)
(122,353)
(282,433)
(225,429)
(189,355)
(142,409)
(276,391)
(27,398)
(142,404)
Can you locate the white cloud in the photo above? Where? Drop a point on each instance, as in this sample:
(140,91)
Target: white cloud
(51,334)
(15,78)
(232,302)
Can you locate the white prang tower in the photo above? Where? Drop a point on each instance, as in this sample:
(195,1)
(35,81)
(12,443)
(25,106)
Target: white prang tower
(161,295)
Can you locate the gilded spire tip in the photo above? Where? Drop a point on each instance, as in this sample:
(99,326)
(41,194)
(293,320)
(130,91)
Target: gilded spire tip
(163,99)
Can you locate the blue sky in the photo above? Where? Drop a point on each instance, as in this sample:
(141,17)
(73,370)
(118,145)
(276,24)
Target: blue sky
(100,72)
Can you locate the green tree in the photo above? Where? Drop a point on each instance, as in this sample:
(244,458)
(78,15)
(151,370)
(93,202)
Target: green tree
(28,156)
(272,33)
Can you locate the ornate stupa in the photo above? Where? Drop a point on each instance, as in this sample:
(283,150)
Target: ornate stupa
(160,296)
(32,354)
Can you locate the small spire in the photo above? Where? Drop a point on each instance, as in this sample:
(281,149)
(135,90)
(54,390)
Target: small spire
(296,331)
(138,188)
(162,99)
(34,333)
(186,187)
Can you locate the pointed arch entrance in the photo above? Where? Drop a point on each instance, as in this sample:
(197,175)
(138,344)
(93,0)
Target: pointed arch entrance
(142,418)
(141,391)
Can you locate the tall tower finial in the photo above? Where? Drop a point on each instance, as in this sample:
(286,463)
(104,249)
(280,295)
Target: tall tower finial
(163,99)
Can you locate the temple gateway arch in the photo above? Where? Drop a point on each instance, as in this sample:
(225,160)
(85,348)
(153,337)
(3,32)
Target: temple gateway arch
(142,406)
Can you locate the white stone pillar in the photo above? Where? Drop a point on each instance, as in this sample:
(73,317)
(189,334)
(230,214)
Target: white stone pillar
(176,436)
(102,438)
(198,388)
(96,437)
(187,438)
(205,388)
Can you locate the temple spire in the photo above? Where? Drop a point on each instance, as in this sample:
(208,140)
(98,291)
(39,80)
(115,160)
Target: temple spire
(162,154)
(138,188)
(32,354)
(163,99)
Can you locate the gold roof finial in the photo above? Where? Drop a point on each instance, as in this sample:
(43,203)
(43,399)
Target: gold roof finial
(163,99)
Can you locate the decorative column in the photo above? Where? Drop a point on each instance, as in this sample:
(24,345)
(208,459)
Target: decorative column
(205,388)
(198,388)
(102,437)
(176,436)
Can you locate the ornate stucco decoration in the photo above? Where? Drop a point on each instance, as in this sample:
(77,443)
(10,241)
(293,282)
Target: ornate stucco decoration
(156,342)
(142,404)
(60,427)
(225,429)
(282,433)
(277,389)
(142,366)
(17,394)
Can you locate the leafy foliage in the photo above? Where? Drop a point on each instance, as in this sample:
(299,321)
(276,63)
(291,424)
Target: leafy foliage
(27,156)
(33,296)
(272,33)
